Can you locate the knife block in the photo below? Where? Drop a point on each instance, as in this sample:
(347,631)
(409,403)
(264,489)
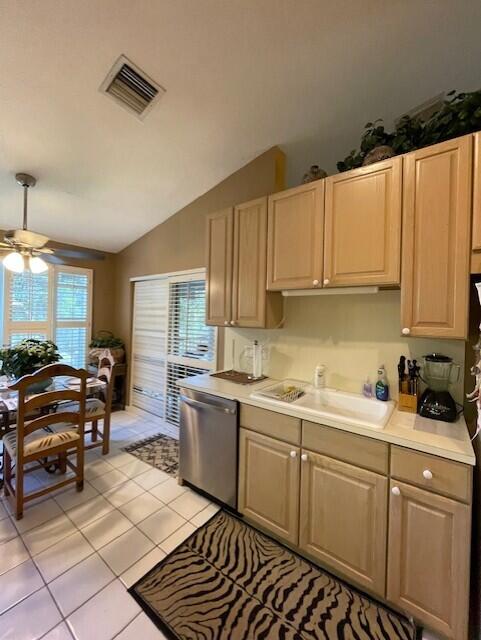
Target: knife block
(408,402)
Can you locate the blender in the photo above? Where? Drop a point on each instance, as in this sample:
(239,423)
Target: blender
(438,373)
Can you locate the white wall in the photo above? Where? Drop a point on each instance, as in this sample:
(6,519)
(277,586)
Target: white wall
(351,334)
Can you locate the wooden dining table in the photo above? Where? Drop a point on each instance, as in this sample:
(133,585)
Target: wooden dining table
(9,403)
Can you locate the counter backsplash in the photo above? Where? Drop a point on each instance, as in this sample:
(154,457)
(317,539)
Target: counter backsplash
(352,335)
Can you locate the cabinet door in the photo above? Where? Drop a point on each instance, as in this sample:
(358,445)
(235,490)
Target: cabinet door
(269,483)
(250,260)
(477,194)
(219,267)
(344,519)
(436,240)
(362,236)
(428,558)
(295,237)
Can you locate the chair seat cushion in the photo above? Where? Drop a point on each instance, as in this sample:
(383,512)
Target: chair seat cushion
(41,440)
(94,408)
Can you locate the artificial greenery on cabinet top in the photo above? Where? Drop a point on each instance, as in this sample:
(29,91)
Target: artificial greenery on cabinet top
(459,115)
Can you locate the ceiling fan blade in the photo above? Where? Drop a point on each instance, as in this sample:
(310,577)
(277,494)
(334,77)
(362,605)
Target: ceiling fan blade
(26,238)
(52,258)
(79,254)
(6,245)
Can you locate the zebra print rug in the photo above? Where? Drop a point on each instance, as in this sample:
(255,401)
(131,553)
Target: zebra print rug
(230,582)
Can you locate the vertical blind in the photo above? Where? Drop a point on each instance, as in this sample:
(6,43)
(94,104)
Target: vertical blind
(149,345)
(170,341)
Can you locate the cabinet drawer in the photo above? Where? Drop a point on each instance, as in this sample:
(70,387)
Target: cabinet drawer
(449,478)
(349,447)
(271,423)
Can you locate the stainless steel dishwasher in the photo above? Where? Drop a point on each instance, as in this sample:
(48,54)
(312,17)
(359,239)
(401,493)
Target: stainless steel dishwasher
(208,444)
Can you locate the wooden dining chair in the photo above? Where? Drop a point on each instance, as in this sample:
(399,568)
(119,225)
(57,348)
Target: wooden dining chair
(50,434)
(97,409)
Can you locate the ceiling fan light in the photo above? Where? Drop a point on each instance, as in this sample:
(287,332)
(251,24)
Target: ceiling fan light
(14,262)
(37,265)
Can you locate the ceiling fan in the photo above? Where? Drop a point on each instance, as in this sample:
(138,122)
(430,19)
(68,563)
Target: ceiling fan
(30,250)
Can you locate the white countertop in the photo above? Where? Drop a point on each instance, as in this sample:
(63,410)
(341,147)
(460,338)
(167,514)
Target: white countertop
(447,440)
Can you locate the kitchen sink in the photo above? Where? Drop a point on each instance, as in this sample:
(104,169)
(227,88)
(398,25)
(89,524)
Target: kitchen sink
(339,406)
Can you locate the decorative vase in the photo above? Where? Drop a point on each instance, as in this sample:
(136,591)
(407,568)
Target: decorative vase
(383,152)
(39,387)
(314,173)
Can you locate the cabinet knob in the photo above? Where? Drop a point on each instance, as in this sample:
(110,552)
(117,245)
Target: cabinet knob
(315,282)
(396,491)
(293,454)
(406,331)
(427,474)
(304,457)
(226,322)
(326,281)
(232,322)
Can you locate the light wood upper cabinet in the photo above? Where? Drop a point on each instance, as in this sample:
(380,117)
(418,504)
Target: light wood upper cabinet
(236,268)
(362,236)
(220,227)
(252,306)
(269,483)
(295,237)
(436,239)
(476,244)
(344,519)
(428,558)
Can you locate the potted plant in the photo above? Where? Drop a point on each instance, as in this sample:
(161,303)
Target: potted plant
(106,340)
(459,115)
(28,356)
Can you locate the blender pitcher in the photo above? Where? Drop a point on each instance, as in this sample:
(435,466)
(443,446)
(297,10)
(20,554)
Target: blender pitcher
(438,373)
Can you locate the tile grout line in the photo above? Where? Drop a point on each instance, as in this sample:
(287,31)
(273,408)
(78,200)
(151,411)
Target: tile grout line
(95,551)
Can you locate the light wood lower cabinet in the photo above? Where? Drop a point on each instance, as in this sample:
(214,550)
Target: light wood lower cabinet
(269,483)
(428,558)
(337,512)
(344,519)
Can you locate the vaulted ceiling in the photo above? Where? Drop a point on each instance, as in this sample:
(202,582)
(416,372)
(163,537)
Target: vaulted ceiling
(240,75)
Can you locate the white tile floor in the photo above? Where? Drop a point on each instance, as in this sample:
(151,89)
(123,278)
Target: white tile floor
(66,566)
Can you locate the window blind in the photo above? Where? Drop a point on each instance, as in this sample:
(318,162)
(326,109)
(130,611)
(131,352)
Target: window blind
(72,292)
(190,339)
(191,343)
(177,372)
(149,343)
(72,314)
(71,343)
(28,297)
(54,305)
(15,338)
(170,341)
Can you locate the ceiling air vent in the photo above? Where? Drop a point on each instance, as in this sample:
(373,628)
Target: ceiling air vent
(130,87)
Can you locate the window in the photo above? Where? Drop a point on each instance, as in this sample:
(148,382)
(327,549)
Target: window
(54,305)
(170,340)
(191,346)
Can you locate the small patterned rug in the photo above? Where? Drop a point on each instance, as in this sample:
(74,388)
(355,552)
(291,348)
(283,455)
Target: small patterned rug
(159,450)
(230,582)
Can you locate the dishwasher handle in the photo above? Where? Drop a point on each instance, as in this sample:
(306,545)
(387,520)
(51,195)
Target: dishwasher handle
(206,405)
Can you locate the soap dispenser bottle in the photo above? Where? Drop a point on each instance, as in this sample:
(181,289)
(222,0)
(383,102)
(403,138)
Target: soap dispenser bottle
(382,387)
